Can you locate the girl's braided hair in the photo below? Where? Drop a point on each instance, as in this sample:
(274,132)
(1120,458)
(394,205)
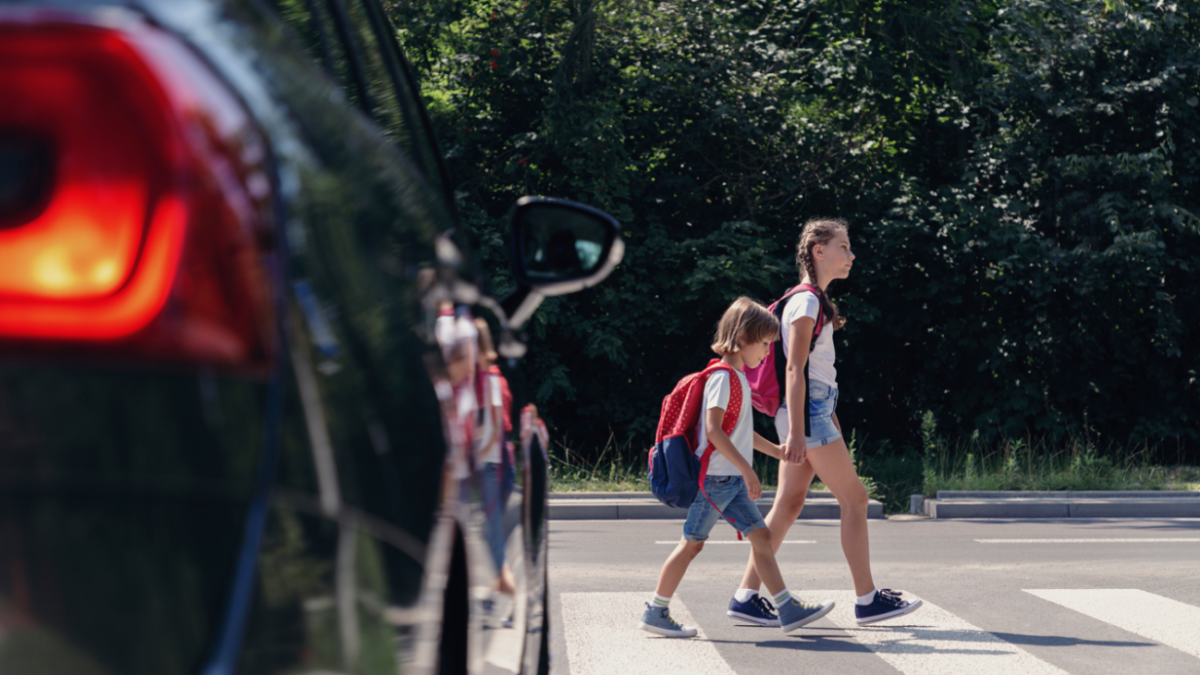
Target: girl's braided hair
(819,231)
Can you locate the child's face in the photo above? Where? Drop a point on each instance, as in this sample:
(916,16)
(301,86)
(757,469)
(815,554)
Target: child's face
(754,353)
(835,258)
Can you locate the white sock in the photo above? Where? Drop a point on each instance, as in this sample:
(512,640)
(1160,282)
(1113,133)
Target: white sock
(782,597)
(867,599)
(745,594)
(661,600)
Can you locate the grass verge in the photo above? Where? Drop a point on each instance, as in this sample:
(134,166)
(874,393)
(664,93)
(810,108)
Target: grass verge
(891,475)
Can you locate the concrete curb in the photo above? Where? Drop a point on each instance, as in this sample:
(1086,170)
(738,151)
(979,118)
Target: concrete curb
(643,506)
(1082,504)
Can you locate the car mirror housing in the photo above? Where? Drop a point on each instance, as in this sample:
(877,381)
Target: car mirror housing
(558,247)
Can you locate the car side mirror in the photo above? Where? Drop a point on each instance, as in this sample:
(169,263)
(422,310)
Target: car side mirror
(558,247)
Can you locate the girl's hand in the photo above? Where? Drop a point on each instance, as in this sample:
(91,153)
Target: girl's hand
(753,486)
(795,450)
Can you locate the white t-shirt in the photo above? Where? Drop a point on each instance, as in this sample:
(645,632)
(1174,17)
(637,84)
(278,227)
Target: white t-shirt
(716,395)
(820,360)
(492,396)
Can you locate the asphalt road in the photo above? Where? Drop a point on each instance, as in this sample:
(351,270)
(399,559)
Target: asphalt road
(1099,597)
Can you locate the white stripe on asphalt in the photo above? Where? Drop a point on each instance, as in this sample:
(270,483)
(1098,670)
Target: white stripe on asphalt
(1151,616)
(603,638)
(735,541)
(932,641)
(1089,541)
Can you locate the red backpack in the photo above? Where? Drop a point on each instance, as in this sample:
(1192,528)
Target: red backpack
(768,382)
(675,473)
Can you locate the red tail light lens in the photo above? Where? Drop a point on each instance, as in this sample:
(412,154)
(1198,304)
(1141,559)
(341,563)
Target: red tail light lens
(134,202)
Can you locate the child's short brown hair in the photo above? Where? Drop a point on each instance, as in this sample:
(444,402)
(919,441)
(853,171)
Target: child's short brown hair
(745,322)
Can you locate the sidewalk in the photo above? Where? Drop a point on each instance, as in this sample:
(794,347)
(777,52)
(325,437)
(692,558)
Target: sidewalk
(644,506)
(1083,504)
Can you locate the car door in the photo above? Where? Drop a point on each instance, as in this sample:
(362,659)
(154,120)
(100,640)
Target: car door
(343,567)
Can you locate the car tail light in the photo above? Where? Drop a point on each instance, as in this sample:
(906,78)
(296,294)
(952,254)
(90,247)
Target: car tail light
(135,211)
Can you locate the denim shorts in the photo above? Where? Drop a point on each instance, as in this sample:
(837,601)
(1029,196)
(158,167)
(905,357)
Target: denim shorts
(730,495)
(822,401)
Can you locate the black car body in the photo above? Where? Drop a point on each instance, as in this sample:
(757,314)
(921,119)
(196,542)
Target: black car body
(225,231)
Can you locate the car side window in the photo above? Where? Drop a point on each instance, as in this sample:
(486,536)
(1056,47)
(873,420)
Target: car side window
(313,28)
(354,42)
(397,109)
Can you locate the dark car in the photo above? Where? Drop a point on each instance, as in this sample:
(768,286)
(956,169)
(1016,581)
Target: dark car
(227,442)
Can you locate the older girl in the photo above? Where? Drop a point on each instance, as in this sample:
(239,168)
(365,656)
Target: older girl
(823,255)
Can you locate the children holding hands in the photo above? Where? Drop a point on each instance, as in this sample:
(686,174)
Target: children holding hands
(743,339)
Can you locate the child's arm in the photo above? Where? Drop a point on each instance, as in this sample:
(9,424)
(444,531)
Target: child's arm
(713,418)
(799,337)
(767,447)
(493,412)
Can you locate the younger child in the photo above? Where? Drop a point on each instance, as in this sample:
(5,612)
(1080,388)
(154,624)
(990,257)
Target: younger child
(743,338)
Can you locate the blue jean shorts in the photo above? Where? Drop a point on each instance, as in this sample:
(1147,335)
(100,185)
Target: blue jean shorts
(822,401)
(730,495)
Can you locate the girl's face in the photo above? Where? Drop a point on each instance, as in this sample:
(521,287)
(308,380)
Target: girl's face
(835,258)
(754,353)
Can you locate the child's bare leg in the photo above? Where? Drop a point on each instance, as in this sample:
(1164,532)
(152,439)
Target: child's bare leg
(794,480)
(762,554)
(506,583)
(676,566)
(833,465)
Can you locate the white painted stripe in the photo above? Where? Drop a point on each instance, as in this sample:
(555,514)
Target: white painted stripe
(603,638)
(932,641)
(735,541)
(1151,616)
(1162,540)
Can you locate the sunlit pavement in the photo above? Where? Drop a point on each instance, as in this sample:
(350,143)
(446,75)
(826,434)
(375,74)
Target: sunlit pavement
(1078,596)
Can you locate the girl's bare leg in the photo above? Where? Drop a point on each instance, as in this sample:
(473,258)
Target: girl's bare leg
(794,480)
(832,464)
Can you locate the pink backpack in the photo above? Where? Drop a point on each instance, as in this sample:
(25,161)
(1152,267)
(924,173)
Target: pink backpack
(768,382)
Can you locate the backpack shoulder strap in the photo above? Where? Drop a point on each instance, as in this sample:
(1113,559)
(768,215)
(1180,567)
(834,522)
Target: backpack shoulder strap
(733,410)
(820,310)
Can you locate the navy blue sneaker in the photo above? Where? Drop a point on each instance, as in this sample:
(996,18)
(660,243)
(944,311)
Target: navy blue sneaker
(757,610)
(886,605)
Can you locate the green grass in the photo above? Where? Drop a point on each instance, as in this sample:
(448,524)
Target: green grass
(612,471)
(891,475)
(1017,465)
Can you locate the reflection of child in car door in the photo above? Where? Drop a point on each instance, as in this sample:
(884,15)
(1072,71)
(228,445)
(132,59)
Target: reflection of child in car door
(488,449)
(457,336)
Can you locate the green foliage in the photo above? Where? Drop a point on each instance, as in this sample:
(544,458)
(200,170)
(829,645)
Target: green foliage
(1020,177)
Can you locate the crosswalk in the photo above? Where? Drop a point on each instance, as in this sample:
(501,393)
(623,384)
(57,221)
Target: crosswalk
(1151,616)
(602,637)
